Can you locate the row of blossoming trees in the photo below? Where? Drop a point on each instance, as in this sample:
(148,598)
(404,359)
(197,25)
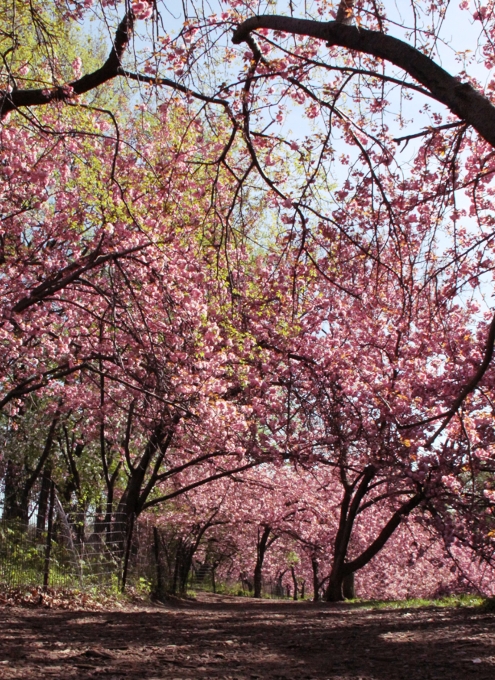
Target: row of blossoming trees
(279,347)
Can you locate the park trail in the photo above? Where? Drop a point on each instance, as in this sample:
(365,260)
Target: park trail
(219,637)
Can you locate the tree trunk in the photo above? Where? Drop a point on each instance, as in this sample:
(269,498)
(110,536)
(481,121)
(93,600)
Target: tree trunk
(261,550)
(127,551)
(176,572)
(11,501)
(335,590)
(348,587)
(160,580)
(257,578)
(185,565)
(316,582)
(43,499)
(342,570)
(294,581)
(136,491)
(353,495)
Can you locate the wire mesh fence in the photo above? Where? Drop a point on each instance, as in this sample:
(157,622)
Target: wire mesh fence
(30,557)
(91,551)
(77,550)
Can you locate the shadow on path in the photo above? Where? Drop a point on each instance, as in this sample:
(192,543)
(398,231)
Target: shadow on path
(237,638)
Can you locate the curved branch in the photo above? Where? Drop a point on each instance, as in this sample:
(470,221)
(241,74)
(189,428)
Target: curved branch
(195,485)
(461,98)
(385,534)
(68,275)
(472,384)
(9,101)
(37,381)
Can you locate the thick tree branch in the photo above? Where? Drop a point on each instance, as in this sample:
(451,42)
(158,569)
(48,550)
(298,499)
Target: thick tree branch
(37,381)
(68,275)
(9,101)
(43,458)
(462,99)
(195,485)
(386,532)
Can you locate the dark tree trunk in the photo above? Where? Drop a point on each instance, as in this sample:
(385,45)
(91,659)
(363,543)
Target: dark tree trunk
(294,581)
(341,587)
(261,550)
(335,590)
(348,587)
(185,565)
(11,509)
(138,486)
(316,582)
(160,580)
(176,574)
(343,571)
(43,499)
(213,580)
(49,536)
(353,495)
(18,486)
(279,588)
(127,551)
(257,581)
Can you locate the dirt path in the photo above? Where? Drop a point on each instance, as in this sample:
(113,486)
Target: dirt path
(230,638)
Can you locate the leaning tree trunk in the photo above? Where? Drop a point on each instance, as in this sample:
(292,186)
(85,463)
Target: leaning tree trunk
(258,578)
(341,583)
(294,581)
(43,498)
(353,495)
(316,582)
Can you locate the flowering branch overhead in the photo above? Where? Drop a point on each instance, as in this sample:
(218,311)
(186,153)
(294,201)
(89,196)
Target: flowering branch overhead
(18,98)
(461,98)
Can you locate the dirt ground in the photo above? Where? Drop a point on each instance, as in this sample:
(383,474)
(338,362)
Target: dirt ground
(234,638)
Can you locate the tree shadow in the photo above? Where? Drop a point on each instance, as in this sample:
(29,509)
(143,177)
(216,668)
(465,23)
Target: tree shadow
(249,640)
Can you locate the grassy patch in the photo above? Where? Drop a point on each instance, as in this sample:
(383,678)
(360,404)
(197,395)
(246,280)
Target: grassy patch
(418,603)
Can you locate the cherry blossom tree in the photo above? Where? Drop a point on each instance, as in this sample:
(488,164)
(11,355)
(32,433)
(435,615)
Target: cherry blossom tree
(114,309)
(360,336)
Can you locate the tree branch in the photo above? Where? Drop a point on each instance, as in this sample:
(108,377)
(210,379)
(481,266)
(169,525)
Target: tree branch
(69,274)
(184,489)
(9,101)
(385,533)
(462,99)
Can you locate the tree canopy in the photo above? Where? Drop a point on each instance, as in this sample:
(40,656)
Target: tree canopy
(252,247)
